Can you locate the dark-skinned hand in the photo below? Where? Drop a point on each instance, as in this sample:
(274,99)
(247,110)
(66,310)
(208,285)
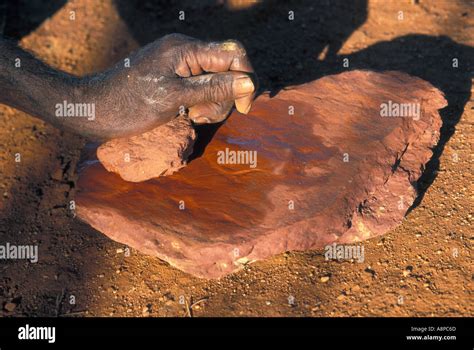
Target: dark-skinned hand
(165,78)
(174,74)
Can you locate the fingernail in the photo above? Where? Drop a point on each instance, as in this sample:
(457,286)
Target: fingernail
(243,104)
(192,114)
(201,120)
(243,86)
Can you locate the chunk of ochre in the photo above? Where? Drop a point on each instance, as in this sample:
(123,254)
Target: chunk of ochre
(159,152)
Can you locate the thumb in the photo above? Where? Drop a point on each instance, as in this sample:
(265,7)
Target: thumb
(220,87)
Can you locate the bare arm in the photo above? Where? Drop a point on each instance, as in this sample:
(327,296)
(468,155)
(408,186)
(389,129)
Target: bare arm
(28,84)
(163,77)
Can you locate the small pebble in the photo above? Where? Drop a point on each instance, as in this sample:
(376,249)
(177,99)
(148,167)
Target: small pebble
(407,271)
(10,307)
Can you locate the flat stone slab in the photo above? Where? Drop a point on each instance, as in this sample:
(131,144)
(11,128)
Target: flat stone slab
(334,163)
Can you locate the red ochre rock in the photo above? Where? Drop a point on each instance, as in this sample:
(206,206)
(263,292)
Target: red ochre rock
(159,152)
(329,169)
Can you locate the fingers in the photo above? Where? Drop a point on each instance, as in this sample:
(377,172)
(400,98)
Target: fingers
(213,57)
(218,87)
(217,57)
(210,112)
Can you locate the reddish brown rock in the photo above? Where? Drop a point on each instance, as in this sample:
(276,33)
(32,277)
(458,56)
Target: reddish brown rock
(334,171)
(159,152)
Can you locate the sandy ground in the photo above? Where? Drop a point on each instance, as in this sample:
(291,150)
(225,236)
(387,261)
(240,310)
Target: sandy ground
(422,268)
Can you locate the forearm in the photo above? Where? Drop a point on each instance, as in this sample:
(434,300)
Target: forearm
(61,99)
(163,78)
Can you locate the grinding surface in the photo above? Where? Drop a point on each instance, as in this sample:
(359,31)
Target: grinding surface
(328,168)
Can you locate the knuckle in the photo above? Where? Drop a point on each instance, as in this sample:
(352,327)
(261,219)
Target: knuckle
(221,112)
(237,43)
(176,37)
(234,45)
(176,41)
(219,88)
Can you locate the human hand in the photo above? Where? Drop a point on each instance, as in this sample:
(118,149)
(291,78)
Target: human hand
(170,75)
